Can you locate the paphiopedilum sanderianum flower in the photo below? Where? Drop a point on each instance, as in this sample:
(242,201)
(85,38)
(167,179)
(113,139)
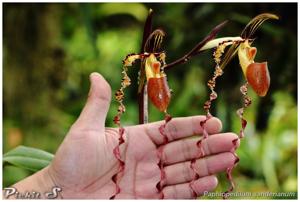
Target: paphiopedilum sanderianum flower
(157,85)
(257,74)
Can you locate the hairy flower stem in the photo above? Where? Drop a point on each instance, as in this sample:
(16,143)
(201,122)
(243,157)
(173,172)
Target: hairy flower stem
(162,128)
(142,89)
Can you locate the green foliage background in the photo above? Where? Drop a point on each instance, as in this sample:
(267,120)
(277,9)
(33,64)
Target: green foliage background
(49,50)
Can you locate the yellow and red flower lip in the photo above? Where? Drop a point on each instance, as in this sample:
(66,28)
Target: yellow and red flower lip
(257,75)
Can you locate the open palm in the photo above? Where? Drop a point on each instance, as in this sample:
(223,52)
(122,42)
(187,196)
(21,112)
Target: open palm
(84,163)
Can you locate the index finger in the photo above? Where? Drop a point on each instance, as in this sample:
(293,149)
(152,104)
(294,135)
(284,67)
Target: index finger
(182,127)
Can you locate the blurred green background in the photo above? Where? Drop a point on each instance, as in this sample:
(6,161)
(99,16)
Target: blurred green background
(50,49)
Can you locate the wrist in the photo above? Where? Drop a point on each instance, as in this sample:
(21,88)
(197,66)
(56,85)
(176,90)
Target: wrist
(51,187)
(40,185)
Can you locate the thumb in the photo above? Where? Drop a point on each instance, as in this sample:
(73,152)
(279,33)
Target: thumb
(95,110)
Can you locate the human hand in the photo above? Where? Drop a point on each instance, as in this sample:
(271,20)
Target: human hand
(84,163)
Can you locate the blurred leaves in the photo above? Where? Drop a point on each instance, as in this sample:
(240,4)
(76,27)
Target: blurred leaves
(139,11)
(14,174)
(28,158)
